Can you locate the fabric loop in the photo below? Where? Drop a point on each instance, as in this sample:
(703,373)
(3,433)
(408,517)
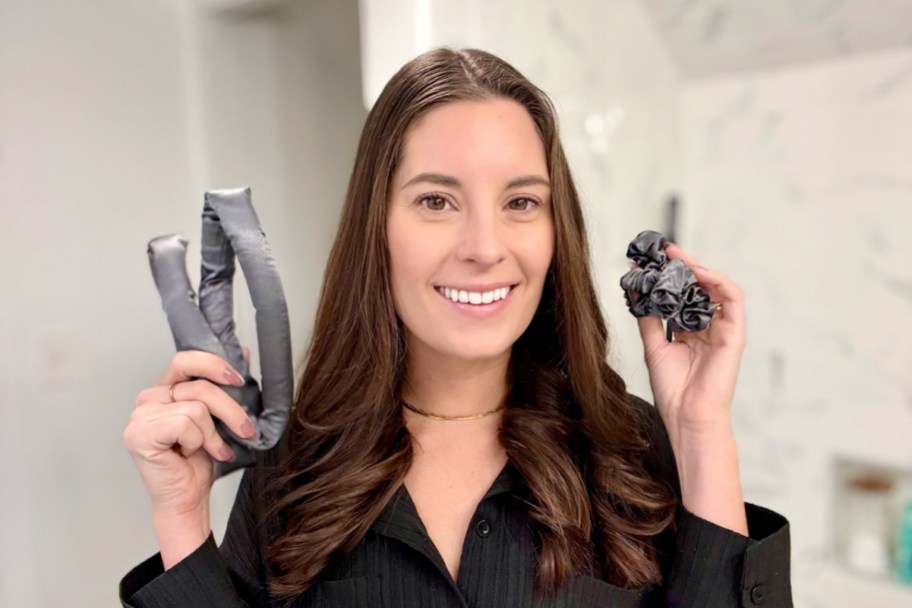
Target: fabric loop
(231,228)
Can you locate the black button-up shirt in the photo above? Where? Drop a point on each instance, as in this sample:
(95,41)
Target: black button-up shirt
(396,565)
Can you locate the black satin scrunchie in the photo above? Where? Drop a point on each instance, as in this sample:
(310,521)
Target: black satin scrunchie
(664,288)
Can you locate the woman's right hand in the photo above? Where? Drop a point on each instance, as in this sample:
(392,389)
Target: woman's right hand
(172,442)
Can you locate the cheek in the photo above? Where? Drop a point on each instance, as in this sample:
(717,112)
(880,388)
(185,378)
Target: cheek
(400,258)
(412,257)
(537,253)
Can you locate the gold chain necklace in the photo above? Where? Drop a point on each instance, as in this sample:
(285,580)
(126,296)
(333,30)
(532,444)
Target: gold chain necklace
(426,414)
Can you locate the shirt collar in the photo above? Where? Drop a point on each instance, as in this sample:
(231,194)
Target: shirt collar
(505,483)
(400,515)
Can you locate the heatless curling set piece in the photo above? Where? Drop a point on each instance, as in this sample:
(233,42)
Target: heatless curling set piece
(231,229)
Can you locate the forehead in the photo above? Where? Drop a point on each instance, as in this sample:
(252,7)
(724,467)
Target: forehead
(466,138)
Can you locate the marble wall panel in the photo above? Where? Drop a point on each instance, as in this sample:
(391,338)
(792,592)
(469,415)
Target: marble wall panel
(799,182)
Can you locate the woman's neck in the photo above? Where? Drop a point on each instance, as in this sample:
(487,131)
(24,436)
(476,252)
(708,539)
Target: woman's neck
(446,386)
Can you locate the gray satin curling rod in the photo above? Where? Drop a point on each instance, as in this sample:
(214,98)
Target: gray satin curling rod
(231,228)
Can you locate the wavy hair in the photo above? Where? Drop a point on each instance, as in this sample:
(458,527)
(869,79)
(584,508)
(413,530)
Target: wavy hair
(570,428)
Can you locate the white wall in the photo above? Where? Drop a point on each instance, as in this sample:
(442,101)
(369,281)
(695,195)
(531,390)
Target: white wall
(115,116)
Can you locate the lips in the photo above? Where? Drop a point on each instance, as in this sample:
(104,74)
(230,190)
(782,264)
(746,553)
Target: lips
(466,296)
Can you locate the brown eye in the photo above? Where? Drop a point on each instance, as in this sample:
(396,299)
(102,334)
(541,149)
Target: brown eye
(521,204)
(434,203)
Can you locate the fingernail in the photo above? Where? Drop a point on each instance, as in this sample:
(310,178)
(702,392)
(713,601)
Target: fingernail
(233,377)
(226,453)
(248,430)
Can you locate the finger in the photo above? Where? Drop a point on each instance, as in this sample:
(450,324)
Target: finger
(247,356)
(720,287)
(190,438)
(652,332)
(152,437)
(723,290)
(219,403)
(709,278)
(185,425)
(675,252)
(191,364)
(149,395)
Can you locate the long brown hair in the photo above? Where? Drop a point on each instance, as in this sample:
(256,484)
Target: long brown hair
(569,429)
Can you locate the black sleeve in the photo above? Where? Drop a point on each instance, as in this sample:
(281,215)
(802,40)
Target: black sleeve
(706,565)
(232,576)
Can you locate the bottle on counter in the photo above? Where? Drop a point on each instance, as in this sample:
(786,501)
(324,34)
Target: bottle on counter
(867,532)
(902,566)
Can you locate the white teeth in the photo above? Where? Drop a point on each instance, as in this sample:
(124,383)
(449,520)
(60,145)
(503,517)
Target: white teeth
(474,297)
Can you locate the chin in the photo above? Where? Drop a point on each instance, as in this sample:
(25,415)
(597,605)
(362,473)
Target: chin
(477,352)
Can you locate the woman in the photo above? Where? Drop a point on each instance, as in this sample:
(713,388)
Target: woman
(458,438)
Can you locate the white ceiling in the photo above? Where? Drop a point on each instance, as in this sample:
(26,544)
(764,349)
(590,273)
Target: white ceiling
(707,37)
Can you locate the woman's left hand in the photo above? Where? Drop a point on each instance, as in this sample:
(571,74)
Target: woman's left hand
(693,382)
(693,378)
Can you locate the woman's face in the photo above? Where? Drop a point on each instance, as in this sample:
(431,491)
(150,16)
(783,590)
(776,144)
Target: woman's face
(470,229)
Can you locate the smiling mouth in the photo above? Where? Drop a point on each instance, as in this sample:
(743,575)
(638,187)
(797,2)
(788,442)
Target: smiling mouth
(475,297)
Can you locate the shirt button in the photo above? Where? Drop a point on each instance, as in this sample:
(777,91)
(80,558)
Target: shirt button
(758,594)
(483,528)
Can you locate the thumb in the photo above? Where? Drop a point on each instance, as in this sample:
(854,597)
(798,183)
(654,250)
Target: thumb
(652,332)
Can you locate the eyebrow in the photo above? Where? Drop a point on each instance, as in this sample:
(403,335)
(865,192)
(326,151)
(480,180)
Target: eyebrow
(450,181)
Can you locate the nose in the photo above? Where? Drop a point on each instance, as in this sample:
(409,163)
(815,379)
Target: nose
(482,240)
